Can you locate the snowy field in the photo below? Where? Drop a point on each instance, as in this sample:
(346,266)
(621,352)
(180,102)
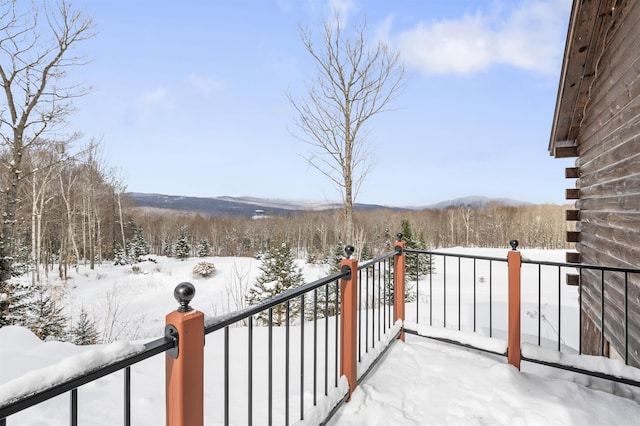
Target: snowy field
(419,382)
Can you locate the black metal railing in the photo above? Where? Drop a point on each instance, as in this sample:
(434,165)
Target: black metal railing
(460,293)
(375,308)
(468,293)
(274,389)
(309,335)
(22,402)
(609,283)
(299,314)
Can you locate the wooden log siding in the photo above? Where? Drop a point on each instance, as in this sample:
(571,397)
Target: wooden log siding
(614,312)
(608,140)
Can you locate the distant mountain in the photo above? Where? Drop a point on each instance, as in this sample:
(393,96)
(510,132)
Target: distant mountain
(252,206)
(238,206)
(475,201)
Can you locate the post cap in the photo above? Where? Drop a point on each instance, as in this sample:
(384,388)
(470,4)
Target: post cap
(513,244)
(348,250)
(399,236)
(184,293)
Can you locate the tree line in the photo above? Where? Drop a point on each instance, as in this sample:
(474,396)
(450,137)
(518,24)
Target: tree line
(314,235)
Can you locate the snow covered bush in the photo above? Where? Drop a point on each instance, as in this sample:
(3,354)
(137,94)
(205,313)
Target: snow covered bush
(204,269)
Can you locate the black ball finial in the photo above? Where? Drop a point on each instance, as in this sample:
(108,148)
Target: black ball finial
(184,293)
(399,236)
(348,250)
(513,244)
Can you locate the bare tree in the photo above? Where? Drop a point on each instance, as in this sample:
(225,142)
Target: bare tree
(353,83)
(34,58)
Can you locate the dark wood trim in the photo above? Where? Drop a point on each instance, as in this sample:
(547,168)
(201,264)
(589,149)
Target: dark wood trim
(572,194)
(573,279)
(573,236)
(566,152)
(572,214)
(572,172)
(572,257)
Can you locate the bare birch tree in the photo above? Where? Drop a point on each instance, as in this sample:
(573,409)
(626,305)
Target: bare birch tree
(354,82)
(35,54)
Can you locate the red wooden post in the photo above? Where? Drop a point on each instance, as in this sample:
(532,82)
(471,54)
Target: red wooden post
(348,321)
(398,282)
(514,262)
(185,364)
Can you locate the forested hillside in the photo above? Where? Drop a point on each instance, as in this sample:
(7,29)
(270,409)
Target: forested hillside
(314,235)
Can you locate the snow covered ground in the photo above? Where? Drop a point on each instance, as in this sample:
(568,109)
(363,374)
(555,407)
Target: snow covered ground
(418,382)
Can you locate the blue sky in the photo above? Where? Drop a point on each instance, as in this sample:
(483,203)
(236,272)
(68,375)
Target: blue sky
(189,98)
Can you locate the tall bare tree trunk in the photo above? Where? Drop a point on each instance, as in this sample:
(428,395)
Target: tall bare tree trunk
(354,82)
(36,101)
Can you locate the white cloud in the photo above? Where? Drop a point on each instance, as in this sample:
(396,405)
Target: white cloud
(529,36)
(343,7)
(151,101)
(205,85)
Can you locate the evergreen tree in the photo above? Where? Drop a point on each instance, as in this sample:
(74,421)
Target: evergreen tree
(85,331)
(203,248)
(335,258)
(12,303)
(416,265)
(166,248)
(44,316)
(120,257)
(137,246)
(182,249)
(367,253)
(325,299)
(278,273)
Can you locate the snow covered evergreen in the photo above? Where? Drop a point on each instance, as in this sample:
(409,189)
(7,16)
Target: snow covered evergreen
(278,273)
(182,249)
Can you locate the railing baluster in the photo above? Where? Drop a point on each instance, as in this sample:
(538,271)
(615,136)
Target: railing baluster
(250,371)
(74,407)
(418,286)
(559,307)
(127,396)
(301,356)
(373,309)
(626,318)
(459,293)
(431,297)
(539,304)
(602,312)
(270,368)
(444,291)
(580,311)
(360,293)
(380,317)
(490,299)
(315,347)
(226,375)
(326,340)
(474,295)
(286,363)
(337,334)
(366,316)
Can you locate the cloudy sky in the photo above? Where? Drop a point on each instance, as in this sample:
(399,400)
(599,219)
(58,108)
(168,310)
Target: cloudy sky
(190,98)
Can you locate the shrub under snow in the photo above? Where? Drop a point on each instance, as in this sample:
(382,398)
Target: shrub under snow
(204,269)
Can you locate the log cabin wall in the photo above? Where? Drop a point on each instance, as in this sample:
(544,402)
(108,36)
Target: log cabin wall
(599,101)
